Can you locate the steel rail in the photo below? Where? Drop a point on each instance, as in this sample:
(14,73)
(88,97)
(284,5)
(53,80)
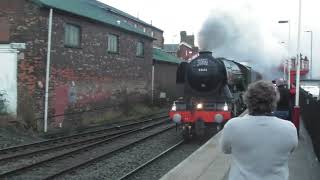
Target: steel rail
(152,160)
(24,154)
(75,136)
(88,162)
(78,150)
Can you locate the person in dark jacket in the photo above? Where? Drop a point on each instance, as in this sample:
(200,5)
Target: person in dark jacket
(284,105)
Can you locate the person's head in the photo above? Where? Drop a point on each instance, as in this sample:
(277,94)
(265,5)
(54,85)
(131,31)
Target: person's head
(261,97)
(281,82)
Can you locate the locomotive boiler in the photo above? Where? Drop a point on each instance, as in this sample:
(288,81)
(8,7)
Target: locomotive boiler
(212,93)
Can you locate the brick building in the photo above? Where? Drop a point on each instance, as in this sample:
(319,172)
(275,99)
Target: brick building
(153,31)
(185,49)
(100,57)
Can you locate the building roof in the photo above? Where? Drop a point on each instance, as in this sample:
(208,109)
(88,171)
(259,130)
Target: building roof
(170,47)
(92,10)
(119,12)
(185,44)
(160,55)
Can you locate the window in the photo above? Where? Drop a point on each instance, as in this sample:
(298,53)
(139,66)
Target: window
(113,43)
(72,35)
(140,49)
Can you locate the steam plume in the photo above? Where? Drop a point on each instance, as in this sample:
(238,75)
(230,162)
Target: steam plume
(234,35)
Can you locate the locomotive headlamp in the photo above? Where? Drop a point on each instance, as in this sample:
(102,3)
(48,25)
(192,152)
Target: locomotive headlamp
(177,118)
(174,107)
(225,107)
(199,106)
(218,118)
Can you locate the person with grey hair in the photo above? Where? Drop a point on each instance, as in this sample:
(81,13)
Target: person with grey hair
(259,143)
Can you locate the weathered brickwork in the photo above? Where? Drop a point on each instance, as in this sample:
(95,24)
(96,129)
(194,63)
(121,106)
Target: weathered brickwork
(81,78)
(27,25)
(186,52)
(158,35)
(149,29)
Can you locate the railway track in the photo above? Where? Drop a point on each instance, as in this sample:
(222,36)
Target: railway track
(87,154)
(167,151)
(108,125)
(73,140)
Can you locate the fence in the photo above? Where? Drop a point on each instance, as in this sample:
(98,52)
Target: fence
(310,112)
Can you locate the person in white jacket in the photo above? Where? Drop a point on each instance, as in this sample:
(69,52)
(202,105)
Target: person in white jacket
(259,143)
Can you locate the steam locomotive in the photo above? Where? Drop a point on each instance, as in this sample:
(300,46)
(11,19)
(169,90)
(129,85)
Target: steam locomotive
(212,93)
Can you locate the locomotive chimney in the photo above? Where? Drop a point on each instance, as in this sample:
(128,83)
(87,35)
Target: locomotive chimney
(205,53)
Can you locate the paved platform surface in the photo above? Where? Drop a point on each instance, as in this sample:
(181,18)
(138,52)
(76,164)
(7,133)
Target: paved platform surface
(303,164)
(209,163)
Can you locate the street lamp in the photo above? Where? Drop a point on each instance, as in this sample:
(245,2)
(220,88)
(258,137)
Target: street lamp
(310,63)
(284,66)
(288,45)
(296,110)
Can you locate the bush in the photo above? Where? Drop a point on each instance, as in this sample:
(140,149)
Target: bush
(26,111)
(3,103)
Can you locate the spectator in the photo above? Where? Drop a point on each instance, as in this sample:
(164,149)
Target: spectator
(259,143)
(284,106)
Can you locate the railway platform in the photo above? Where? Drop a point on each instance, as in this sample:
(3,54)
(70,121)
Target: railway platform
(209,163)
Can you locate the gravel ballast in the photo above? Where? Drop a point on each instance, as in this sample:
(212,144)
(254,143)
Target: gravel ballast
(125,161)
(10,136)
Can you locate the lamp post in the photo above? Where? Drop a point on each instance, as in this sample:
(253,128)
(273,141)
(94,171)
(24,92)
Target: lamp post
(310,63)
(288,45)
(296,110)
(284,65)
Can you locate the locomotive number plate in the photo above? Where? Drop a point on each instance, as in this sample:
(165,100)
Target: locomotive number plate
(202,62)
(202,69)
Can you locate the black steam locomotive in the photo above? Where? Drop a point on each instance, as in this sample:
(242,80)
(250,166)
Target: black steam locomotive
(212,92)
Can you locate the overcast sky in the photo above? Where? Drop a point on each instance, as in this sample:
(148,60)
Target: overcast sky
(172,16)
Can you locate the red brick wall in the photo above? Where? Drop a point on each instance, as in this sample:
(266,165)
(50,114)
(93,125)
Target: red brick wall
(81,78)
(184,52)
(157,34)
(27,25)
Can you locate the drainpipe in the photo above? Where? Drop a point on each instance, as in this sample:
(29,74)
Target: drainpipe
(152,83)
(47,73)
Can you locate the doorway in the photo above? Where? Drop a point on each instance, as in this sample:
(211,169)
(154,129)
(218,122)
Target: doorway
(8,76)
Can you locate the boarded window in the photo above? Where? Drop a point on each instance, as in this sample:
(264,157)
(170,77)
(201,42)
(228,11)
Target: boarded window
(140,49)
(72,35)
(4,30)
(113,43)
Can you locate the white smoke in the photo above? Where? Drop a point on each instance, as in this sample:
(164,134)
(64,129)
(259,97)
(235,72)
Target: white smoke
(239,34)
